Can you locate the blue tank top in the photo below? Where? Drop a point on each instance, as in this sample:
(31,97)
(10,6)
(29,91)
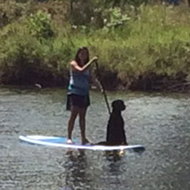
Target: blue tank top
(79,82)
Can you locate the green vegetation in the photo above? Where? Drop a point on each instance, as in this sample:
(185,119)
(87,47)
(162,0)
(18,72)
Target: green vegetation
(141,46)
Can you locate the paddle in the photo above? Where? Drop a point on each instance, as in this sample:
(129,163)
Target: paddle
(102,87)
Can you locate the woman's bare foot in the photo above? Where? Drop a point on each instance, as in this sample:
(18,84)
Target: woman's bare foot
(85,141)
(69,141)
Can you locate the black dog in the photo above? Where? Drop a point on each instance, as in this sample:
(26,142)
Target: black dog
(115,128)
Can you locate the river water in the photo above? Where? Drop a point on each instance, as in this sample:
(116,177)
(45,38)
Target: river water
(161,122)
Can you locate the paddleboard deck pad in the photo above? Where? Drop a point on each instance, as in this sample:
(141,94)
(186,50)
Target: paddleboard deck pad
(54,141)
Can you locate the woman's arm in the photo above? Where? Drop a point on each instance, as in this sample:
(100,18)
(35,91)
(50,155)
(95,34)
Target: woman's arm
(76,67)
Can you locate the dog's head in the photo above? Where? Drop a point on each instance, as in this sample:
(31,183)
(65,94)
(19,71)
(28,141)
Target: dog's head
(118,105)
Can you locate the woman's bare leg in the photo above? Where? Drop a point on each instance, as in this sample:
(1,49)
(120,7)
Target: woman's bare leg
(82,123)
(71,122)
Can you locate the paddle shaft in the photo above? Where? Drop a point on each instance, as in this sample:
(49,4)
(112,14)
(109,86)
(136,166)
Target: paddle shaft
(102,88)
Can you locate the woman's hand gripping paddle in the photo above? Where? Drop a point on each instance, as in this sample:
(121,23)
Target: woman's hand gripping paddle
(102,87)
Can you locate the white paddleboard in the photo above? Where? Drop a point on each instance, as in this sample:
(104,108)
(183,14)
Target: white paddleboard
(62,142)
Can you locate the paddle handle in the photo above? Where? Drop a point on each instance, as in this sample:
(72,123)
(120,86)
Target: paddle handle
(102,88)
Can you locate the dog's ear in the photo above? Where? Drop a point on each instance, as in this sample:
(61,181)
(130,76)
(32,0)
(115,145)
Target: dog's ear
(114,105)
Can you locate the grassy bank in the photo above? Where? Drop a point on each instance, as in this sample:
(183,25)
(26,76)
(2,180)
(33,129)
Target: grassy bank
(144,48)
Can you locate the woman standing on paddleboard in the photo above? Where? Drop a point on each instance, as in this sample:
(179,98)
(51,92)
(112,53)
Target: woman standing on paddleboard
(78,92)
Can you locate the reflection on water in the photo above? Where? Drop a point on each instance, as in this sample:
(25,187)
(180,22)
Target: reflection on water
(158,121)
(76,174)
(81,174)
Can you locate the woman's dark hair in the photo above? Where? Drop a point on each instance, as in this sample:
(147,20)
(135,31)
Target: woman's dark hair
(82,56)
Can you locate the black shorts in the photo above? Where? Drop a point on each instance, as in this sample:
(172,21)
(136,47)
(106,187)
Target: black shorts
(77,101)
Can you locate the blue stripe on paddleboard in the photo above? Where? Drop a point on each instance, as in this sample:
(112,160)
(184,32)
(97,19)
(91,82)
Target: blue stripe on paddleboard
(53,139)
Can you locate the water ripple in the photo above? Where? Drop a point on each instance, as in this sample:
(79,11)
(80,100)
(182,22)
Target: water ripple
(161,122)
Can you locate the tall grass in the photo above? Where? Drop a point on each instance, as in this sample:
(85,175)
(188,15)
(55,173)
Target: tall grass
(152,45)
